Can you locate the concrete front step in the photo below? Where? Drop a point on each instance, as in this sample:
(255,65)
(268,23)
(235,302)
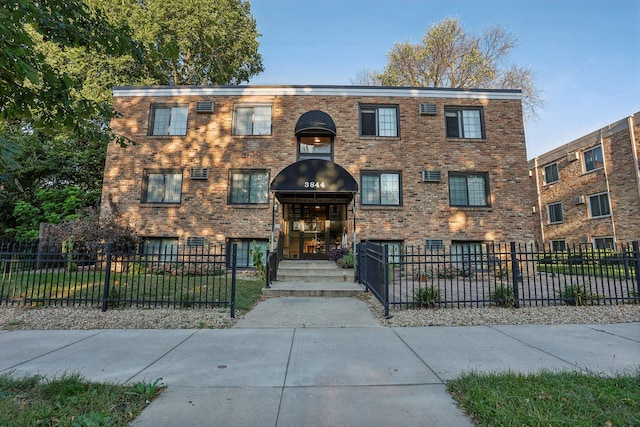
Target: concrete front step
(312,289)
(313,271)
(313,279)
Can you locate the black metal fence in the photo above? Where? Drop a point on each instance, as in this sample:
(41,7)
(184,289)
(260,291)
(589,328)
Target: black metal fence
(510,275)
(108,276)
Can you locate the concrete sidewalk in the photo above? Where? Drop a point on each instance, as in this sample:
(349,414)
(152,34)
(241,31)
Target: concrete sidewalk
(324,376)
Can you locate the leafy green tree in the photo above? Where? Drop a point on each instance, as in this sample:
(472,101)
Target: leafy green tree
(194,42)
(31,89)
(59,62)
(448,56)
(49,206)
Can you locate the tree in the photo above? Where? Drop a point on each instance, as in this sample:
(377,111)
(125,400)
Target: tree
(41,106)
(449,57)
(31,89)
(195,42)
(59,62)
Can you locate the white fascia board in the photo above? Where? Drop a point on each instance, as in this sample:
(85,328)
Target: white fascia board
(356,91)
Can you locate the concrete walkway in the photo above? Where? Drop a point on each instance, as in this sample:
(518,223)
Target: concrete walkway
(352,372)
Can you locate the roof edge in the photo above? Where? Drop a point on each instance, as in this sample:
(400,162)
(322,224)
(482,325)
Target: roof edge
(591,139)
(316,90)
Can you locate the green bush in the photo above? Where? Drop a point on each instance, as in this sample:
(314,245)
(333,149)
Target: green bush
(257,258)
(577,295)
(346,261)
(427,297)
(503,296)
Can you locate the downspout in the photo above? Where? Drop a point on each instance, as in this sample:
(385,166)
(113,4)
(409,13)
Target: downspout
(634,151)
(606,178)
(356,267)
(540,218)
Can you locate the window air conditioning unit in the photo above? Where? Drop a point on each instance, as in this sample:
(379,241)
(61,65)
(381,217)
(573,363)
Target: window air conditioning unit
(431,176)
(434,244)
(199,173)
(428,109)
(579,200)
(195,241)
(204,107)
(573,156)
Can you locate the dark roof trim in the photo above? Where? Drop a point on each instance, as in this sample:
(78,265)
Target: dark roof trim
(315,121)
(314,176)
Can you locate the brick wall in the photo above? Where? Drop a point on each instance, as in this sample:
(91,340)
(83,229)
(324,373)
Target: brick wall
(422,145)
(618,177)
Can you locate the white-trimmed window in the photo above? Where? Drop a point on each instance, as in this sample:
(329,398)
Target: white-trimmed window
(379,120)
(558,245)
(252,120)
(381,188)
(593,159)
(162,186)
(168,120)
(599,205)
(470,254)
(555,213)
(464,122)
(160,249)
(607,242)
(249,186)
(468,189)
(550,173)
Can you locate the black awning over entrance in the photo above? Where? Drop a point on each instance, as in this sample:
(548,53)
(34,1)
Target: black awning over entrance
(316,122)
(314,179)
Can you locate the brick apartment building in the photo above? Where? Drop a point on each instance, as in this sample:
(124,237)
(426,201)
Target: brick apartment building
(588,191)
(323,165)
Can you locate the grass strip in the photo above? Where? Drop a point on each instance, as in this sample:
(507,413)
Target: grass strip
(69,400)
(248,292)
(549,399)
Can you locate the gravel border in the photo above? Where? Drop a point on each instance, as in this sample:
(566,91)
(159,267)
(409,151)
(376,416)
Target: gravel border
(547,315)
(14,318)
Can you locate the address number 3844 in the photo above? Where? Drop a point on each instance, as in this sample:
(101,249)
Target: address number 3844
(313,184)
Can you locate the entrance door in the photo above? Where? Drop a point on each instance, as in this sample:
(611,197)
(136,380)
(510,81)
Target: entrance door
(313,231)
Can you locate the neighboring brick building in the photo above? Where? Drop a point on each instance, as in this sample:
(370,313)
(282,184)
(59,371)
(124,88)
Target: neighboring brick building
(589,189)
(437,166)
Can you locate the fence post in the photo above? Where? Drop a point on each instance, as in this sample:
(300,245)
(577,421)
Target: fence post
(234,254)
(267,275)
(636,264)
(107,277)
(385,280)
(515,275)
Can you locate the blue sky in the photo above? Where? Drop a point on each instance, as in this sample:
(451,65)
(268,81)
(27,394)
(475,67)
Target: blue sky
(584,53)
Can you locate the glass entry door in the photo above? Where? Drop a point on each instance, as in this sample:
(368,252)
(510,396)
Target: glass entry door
(313,231)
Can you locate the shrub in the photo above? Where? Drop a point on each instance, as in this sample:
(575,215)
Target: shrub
(336,254)
(503,296)
(577,295)
(178,269)
(346,261)
(258,263)
(426,297)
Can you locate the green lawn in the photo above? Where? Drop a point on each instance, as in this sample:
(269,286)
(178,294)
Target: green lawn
(71,401)
(549,399)
(87,287)
(545,399)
